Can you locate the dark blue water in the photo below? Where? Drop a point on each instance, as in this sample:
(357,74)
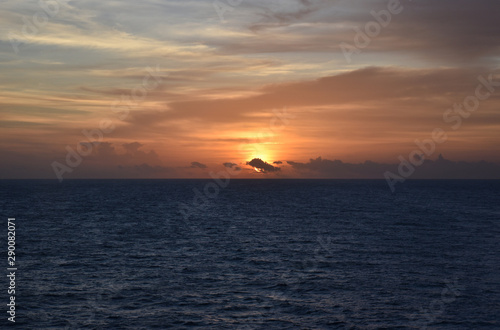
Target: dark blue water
(257,254)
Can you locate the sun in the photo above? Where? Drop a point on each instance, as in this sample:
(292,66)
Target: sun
(260,153)
(261,157)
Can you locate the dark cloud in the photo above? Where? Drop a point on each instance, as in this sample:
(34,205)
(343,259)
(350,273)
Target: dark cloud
(232,165)
(106,160)
(133,147)
(262,165)
(440,168)
(131,154)
(454,29)
(198,165)
(278,162)
(125,161)
(283,13)
(376,87)
(451,30)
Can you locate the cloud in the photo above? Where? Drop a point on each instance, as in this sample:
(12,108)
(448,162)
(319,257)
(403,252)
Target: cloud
(368,85)
(232,165)
(222,81)
(198,165)
(263,166)
(125,160)
(371,113)
(440,168)
(126,154)
(451,27)
(278,162)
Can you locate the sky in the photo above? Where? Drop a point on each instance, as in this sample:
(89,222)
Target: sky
(257,89)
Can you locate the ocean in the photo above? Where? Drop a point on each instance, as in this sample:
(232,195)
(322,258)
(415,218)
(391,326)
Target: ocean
(253,254)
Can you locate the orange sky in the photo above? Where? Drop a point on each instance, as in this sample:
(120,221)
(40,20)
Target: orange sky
(171,89)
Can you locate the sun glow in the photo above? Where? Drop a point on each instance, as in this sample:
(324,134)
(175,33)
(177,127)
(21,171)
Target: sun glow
(261,153)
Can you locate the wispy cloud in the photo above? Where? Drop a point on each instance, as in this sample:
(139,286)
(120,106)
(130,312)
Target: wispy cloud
(222,80)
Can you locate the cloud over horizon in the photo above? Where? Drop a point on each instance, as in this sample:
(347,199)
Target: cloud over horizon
(220,86)
(263,166)
(439,168)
